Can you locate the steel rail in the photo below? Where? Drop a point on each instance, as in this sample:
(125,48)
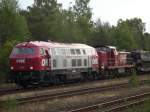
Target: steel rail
(15,90)
(116,105)
(68,93)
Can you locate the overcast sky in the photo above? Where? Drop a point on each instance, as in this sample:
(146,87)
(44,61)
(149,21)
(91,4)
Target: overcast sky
(112,10)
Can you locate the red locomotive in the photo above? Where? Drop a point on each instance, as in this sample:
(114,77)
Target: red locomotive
(111,62)
(38,62)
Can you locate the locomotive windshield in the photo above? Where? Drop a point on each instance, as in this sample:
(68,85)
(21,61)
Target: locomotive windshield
(23,50)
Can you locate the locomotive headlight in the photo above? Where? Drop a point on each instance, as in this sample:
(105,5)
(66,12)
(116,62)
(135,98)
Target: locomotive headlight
(11,67)
(102,67)
(31,68)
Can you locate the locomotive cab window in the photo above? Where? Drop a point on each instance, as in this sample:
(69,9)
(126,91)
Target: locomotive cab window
(23,50)
(42,52)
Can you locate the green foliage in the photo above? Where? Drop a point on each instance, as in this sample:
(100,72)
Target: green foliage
(43,19)
(124,38)
(13,28)
(83,15)
(10,105)
(140,108)
(134,81)
(12,25)
(131,33)
(4,55)
(101,34)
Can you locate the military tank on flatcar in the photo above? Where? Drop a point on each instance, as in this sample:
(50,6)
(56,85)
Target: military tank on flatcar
(142,60)
(39,62)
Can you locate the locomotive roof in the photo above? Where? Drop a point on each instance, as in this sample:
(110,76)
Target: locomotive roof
(106,46)
(52,44)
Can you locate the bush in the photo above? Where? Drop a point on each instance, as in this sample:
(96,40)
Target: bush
(4,58)
(140,108)
(134,80)
(10,105)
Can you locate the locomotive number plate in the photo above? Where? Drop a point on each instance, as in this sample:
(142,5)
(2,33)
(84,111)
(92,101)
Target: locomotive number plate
(20,61)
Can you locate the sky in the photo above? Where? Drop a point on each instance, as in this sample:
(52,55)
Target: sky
(111,10)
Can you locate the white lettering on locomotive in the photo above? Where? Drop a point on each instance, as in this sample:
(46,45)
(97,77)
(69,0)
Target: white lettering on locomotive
(44,62)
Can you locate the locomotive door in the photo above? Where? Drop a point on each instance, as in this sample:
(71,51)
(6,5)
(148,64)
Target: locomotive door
(45,58)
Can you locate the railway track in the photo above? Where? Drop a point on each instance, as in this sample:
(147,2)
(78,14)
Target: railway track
(14,90)
(117,104)
(69,93)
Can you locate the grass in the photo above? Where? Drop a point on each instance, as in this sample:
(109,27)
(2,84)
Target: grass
(58,105)
(134,80)
(142,108)
(9,106)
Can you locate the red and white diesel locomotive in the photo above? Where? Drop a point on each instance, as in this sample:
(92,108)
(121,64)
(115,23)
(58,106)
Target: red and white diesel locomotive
(113,62)
(39,62)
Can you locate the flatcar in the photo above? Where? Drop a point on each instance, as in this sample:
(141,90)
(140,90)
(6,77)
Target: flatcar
(142,60)
(113,62)
(39,62)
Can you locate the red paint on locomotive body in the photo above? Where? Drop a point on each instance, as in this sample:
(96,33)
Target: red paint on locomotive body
(26,57)
(39,61)
(110,58)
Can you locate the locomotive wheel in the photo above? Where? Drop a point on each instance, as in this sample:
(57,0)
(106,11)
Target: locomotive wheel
(23,85)
(56,80)
(95,76)
(106,74)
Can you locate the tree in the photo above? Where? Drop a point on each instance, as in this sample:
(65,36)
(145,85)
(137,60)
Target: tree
(43,19)
(137,28)
(147,41)
(12,25)
(4,57)
(101,34)
(83,16)
(13,28)
(124,38)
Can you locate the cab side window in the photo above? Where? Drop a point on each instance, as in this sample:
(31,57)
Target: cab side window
(42,51)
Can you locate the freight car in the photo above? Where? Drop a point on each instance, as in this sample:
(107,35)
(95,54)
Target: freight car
(142,60)
(113,63)
(39,62)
